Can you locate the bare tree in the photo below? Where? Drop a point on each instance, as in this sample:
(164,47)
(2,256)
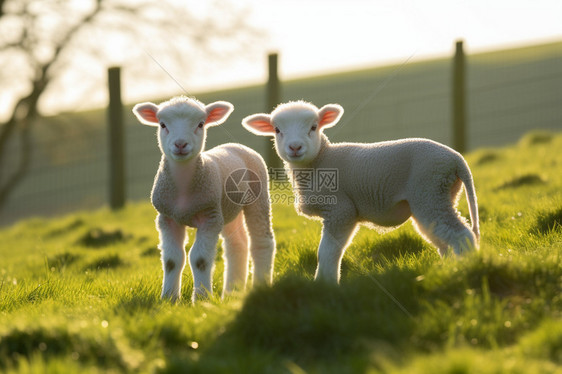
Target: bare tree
(42,40)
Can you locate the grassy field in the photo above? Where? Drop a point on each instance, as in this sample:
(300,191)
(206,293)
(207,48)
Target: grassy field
(81,293)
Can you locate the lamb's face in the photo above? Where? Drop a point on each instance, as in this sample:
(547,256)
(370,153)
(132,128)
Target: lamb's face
(297,127)
(182,124)
(297,136)
(182,131)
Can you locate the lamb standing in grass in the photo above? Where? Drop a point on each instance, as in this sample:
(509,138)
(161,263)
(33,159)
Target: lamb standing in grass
(379,184)
(189,190)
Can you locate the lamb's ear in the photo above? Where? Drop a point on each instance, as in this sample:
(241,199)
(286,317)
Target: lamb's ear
(329,115)
(146,113)
(218,112)
(259,124)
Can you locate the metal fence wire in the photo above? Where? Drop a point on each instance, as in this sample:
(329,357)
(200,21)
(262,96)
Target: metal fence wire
(508,94)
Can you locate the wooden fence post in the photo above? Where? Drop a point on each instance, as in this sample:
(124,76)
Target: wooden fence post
(459,99)
(116,141)
(272,100)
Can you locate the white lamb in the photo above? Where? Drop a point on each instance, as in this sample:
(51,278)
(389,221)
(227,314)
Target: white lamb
(379,184)
(190,190)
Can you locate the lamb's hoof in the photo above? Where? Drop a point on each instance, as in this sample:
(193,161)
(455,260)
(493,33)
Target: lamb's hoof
(326,279)
(445,252)
(200,295)
(171,297)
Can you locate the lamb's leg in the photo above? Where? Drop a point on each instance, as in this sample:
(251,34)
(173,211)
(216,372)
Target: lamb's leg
(201,259)
(426,230)
(235,241)
(442,225)
(262,249)
(335,238)
(172,245)
(262,240)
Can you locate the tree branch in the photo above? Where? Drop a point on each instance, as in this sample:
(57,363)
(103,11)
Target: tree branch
(25,110)
(144,20)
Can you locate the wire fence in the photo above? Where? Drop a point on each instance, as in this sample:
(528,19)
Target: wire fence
(508,94)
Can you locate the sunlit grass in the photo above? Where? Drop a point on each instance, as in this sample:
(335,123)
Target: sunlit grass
(81,293)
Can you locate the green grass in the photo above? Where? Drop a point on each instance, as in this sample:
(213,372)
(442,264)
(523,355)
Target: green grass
(81,293)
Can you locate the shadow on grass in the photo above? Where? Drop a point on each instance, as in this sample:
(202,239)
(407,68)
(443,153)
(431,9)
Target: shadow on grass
(62,260)
(107,262)
(548,222)
(536,137)
(97,238)
(66,229)
(487,158)
(152,251)
(503,278)
(522,181)
(17,345)
(311,322)
(390,248)
(137,303)
(479,300)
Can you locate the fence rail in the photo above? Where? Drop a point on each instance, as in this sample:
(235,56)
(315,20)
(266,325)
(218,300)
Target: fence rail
(507,94)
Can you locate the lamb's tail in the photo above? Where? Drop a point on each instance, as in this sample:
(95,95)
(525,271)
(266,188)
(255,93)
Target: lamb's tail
(463,172)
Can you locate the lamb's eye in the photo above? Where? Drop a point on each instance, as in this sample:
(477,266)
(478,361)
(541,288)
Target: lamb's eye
(201,125)
(277,131)
(162,125)
(313,128)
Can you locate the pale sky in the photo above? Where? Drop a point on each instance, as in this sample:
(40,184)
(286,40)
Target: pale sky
(318,36)
(314,36)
